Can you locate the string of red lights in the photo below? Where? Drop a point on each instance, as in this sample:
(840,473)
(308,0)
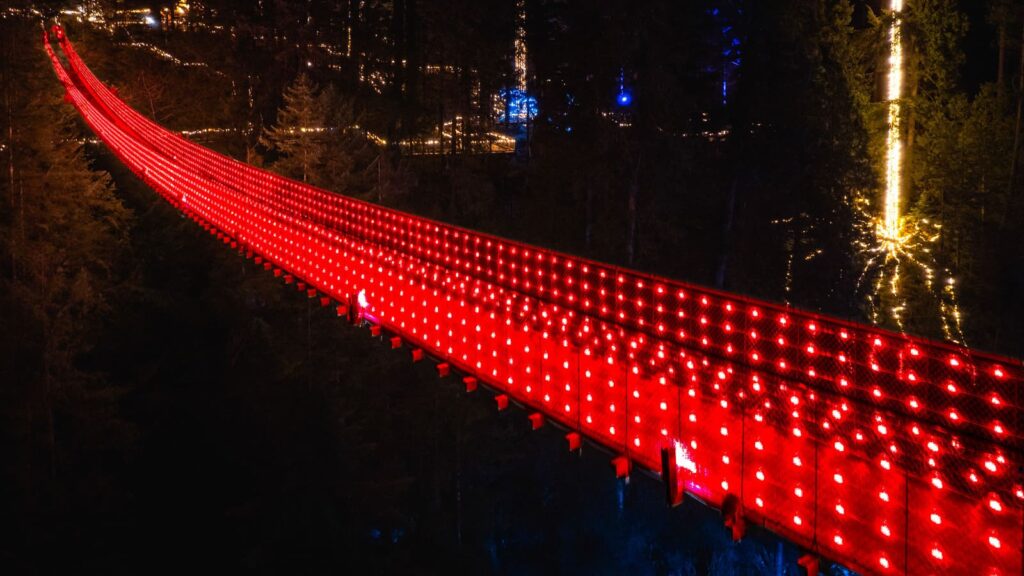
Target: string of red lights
(886,452)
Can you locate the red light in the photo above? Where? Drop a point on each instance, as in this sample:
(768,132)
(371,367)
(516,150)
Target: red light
(490,309)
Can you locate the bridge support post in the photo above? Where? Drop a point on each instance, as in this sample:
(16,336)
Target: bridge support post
(574,440)
(810,563)
(670,476)
(732,516)
(622,466)
(536,420)
(502,401)
(352,309)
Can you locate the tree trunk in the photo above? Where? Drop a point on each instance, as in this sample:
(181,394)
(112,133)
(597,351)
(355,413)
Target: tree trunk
(149,96)
(634,188)
(51,436)
(1014,161)
(631,240)
(1001,71)
(730,217)
(10,150)
(911,129)
(588,230)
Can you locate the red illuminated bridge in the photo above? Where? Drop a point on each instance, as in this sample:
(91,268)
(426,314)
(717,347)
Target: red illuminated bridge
(888,453)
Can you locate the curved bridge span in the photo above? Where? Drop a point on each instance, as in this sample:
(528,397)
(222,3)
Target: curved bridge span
(890,454)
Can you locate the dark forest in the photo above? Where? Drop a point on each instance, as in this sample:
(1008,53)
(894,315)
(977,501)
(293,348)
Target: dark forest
(167,407)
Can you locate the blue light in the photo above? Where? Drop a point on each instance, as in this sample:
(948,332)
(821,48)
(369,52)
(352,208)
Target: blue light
(731,49)
(519,106)
(625,97)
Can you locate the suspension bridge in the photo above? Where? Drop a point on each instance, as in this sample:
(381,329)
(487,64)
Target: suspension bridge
(887,453)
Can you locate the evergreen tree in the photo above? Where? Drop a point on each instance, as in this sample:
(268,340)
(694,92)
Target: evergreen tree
(298,136)
(64,239)
(63,235)
(347,150)
(316,138)
(800,154)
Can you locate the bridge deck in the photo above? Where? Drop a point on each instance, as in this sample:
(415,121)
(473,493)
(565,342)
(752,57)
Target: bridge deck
(888,453)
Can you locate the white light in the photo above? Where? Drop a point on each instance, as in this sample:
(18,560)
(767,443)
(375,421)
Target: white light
(889,229)
(683,458)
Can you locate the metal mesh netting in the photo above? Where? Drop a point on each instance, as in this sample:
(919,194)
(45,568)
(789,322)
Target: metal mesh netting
(886,452)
